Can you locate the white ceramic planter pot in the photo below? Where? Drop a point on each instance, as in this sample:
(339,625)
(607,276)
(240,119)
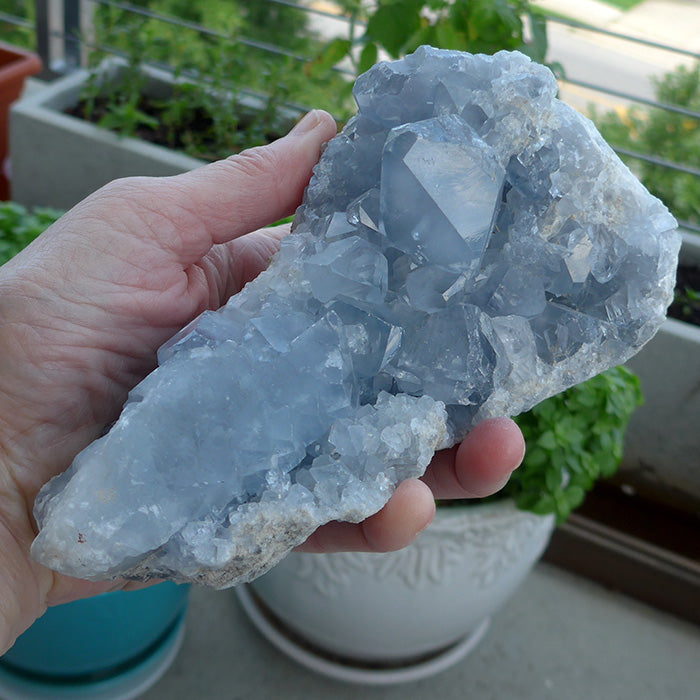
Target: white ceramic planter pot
(402,607)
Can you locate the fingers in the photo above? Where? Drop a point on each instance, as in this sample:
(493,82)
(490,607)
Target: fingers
(228,267)
(224,200)
(409,511)
(481,464)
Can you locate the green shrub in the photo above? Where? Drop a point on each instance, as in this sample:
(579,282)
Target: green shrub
(666,135)
(573,439)
(220,55)
(398,27)
(18,227)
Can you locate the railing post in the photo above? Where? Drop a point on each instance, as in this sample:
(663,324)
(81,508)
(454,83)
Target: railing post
(58,36)
(71,34)
(42,35)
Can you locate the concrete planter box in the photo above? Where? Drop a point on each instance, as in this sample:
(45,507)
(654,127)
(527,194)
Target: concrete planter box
(59,159)
(662,449)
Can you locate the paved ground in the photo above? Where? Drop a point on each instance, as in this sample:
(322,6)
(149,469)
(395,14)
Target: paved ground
(559,637)
(615,63)
(673,22)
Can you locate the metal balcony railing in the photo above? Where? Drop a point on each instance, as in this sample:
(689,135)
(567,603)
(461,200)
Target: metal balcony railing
(62,41)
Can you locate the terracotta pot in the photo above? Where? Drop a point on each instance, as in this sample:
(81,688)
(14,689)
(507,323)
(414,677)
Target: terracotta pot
(15,65)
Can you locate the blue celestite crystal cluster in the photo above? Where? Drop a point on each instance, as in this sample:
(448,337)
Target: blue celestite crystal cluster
(468,246)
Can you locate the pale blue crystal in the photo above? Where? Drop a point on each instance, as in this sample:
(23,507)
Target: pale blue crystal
(468,246)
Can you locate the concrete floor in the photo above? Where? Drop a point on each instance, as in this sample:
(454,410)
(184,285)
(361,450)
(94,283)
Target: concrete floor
(559,637)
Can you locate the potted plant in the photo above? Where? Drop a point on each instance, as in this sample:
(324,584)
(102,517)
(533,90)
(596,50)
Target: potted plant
(382,618)
(85,155)
(15,65)
(65,158)
(126,117)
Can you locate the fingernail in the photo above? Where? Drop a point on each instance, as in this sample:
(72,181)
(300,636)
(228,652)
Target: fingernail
(498,486)
(426,526)
(487,489)
(307,124)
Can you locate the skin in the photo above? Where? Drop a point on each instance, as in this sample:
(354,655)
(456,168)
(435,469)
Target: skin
(84,308)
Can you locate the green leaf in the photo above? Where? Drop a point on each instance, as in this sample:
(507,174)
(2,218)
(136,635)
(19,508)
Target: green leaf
(392,24)
(447,36)
(368,57)
(547,440)
(527,501)
(553,479)
(575,496)
(544,505)
(537,457)
(334,52)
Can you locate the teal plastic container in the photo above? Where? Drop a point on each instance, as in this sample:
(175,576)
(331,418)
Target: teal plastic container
(109,646)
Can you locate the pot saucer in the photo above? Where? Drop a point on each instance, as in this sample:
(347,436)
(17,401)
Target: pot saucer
(278,634)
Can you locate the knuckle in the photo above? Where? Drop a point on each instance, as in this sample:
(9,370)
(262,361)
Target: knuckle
(254,163)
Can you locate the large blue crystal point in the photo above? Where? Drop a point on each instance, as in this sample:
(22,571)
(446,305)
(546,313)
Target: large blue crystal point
(468,246)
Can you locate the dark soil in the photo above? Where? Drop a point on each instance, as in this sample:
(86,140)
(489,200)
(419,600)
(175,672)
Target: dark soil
(159,136)
(686,305)
(193,135)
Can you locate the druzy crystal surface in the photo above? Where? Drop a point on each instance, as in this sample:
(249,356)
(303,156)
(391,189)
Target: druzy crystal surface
(468,246)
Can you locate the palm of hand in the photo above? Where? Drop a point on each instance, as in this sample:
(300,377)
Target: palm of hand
(82,343)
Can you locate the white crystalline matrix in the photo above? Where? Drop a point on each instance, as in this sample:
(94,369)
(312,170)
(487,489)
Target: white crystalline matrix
(468,246)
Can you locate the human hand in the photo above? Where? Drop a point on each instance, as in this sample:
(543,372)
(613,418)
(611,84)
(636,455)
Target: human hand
(84,308)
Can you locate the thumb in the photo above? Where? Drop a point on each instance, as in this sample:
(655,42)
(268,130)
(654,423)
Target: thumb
(221,201)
